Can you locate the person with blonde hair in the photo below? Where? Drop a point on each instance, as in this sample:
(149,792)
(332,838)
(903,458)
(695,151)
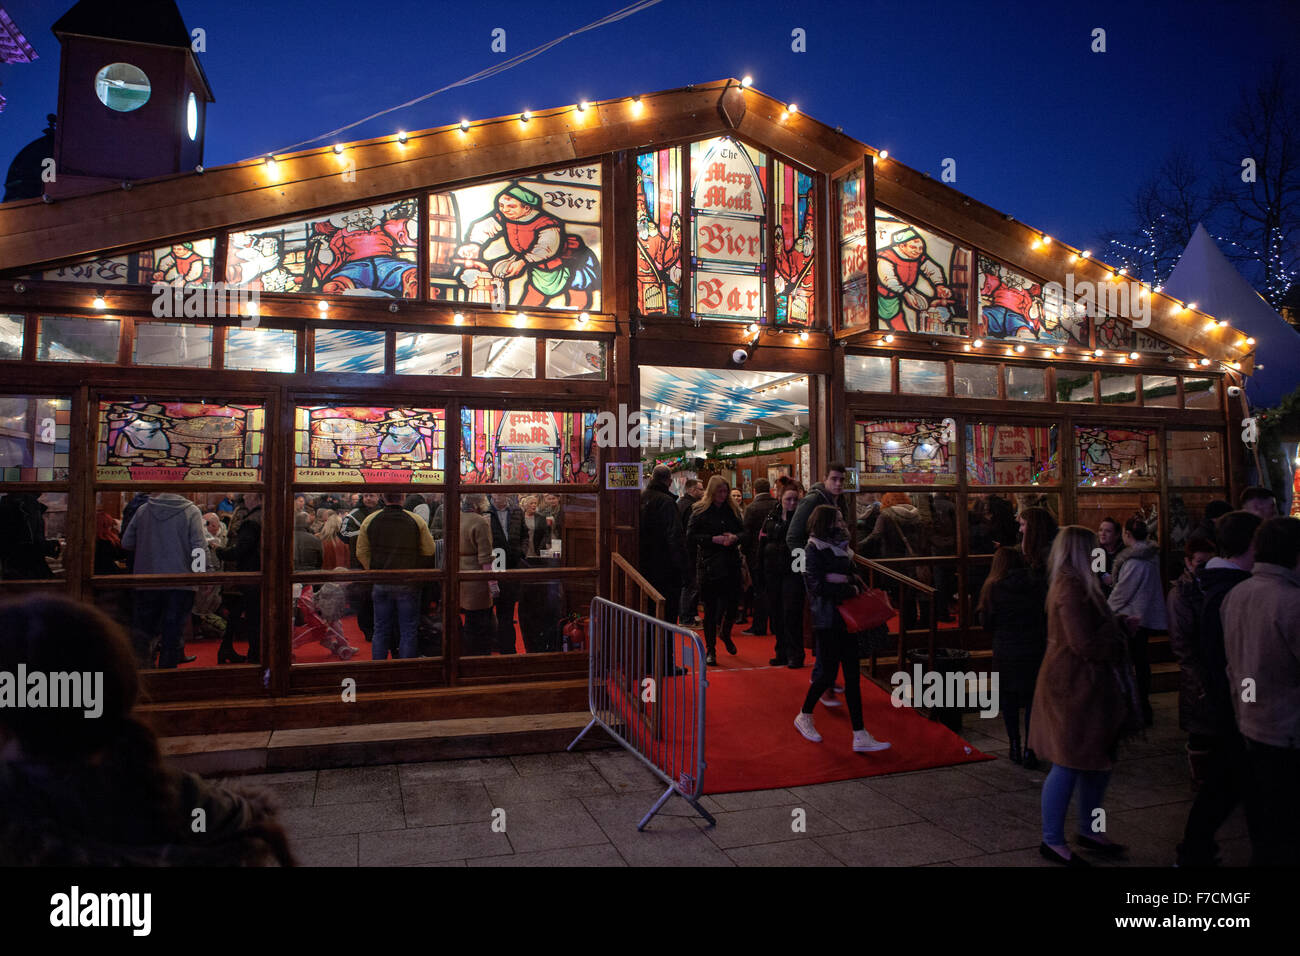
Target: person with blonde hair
(1084,698)
(715,529)
(334,550)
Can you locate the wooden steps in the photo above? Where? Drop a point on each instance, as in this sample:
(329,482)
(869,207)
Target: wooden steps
(364,744)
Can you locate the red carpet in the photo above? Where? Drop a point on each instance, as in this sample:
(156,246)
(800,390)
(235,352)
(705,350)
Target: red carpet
(751,743)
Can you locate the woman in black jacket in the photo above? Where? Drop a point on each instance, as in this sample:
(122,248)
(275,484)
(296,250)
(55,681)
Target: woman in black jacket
(784,585)
(1013,605)
(830,580)
(715,529)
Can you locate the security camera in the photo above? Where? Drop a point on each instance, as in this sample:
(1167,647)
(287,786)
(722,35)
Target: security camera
(392,307)
(740,356)
(1234,390)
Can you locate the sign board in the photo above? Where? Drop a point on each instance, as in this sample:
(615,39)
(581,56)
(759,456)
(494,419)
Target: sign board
(623,476)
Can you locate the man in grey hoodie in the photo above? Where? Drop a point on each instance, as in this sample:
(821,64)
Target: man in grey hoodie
(1140,594)
(166,537)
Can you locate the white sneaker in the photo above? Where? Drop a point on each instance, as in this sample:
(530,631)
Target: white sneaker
(828,698)
(863,742)
(804,724)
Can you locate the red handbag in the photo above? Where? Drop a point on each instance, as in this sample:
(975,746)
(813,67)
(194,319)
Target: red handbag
(866,610)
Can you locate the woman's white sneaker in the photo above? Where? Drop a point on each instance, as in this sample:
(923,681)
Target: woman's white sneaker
(804,724)
(828,699)
(863,742)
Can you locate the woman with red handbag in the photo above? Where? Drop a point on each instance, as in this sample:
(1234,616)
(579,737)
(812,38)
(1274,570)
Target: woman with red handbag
(828,575)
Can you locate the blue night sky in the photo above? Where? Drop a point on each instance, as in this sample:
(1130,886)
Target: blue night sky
(1040,127)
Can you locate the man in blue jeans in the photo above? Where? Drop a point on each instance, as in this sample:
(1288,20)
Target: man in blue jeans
(164,537)
(394,538)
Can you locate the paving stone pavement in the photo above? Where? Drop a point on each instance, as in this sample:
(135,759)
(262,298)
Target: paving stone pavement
(582,810)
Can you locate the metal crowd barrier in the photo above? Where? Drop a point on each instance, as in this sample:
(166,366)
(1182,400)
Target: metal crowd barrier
(645,687)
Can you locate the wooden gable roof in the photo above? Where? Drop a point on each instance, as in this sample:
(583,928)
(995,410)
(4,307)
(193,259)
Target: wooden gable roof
(34,233)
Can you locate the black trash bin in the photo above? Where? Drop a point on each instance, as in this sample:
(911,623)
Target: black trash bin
(947,660)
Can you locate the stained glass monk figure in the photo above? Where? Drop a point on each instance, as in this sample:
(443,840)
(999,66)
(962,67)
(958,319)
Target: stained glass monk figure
(144,434)
(402,439)
(519,238)
(180,265)
(898,268)
(1014,311)
(659,265)
(365,252)
(794,267)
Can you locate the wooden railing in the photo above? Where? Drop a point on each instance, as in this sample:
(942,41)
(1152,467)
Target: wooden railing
(629,588)
(904,589)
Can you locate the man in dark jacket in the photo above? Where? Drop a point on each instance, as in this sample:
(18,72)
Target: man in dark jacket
(359,592)
(245,603)
(507,524)
(393,538)
(755,515)
(828,492)
(662,540)
(23,545)
(691,493)
(1214,745)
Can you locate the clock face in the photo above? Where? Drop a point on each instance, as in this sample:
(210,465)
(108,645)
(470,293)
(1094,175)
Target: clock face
(122,87)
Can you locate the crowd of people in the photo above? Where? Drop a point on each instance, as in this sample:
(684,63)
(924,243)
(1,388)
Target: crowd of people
(1071,613)
(162,533)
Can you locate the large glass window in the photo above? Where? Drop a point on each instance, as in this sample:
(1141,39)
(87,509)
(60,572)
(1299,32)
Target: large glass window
(500,446)
(262,349)
(180,441)
(1011,454)
(575,358)
(915,451)
(529,242)
(172,344)
(35,435)
(349,350)
(428,353)
(1074,386)
(185,263)
(659,232)
(729,215)
(867,373)
(504,356)
(922,279)
(1118,388)
(1201,393)
(354,444)
(11,336)
(68,339)
(1160,391)
(974,380)
(1026,384)
(919,377)
(1116,457)
(1195,458)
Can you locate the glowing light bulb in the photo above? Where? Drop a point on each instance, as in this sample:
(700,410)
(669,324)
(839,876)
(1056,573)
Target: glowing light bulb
(636,104)
(99,302)
(1250,341)
(323,306)
(747,82)
(1060,350)
(401,136)
(251,308)
(525,116)
(1020,349)
(977,343)
(458,318)
(520,320)
(889,338)
(584,318)
(464,126)
(792,108)
(582,106)
(803,336)
(1133,356)
(1087,253)
(1205,361)
(884,155)
(338,148)
(1191,305)
(269,161)
(1047,240)
(1099,353)
(1223,323)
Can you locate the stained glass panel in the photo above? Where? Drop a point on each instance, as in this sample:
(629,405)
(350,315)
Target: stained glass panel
(729,216)
(1113,333)
(916,451)
(1116,457)
(1011,455)
(794,240)
(35,432)
(509,447)
(11,336)
(1012,307)
(180,441)
(366,251)
(659,232)
(356,444)
(921,279)
(854,281)
(187,264)
(532,242)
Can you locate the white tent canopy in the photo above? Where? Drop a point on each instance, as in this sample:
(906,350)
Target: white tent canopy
(1205,276)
